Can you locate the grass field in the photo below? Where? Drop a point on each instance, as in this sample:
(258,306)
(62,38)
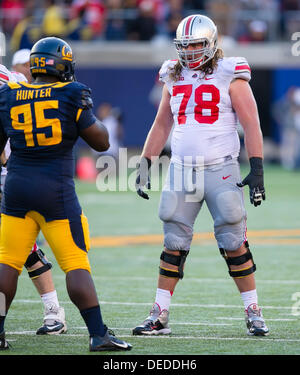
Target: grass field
(207,314)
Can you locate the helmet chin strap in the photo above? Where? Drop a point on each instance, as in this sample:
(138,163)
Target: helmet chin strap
(193,65)
(193,59)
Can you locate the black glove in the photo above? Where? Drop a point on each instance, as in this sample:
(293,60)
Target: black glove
(143,177)
(255,180)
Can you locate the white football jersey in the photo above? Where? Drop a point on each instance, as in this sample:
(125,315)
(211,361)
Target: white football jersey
(205,124)
(5,75)
(8,76)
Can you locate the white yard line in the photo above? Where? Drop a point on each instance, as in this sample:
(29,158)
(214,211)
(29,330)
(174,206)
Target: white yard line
(249,339)
(269,320)
(187,305)
(187,279)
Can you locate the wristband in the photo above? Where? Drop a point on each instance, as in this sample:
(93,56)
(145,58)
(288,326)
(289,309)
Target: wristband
(256,163)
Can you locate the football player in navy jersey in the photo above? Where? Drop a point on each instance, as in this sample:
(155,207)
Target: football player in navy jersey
(43,120)
(37,264)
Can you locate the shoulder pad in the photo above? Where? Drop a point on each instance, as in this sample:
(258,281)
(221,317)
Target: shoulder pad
(165,69)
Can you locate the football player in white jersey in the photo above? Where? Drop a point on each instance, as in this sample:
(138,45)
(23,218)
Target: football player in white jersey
(37,265)
(205,95)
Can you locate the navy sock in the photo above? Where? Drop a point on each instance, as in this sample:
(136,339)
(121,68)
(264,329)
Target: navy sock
(93,320)
(2,318)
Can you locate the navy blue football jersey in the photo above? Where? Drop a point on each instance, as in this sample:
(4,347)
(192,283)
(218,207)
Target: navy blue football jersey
(42,123)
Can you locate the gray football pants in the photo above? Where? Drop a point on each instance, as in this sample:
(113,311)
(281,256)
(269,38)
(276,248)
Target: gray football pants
(185,190)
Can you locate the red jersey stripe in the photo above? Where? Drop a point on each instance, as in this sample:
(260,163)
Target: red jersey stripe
(242,67)
(3,76)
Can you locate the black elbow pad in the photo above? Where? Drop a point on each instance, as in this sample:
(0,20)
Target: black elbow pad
(86,99)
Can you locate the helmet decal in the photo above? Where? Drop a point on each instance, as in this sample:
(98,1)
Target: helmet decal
(188,26)
(66,55)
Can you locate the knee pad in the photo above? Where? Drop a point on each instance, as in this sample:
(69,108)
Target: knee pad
(34,257)
(175,260)
(178,239)
(236,261)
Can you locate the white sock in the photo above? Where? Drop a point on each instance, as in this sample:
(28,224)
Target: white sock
(249,298)
(163,298)
(50,298)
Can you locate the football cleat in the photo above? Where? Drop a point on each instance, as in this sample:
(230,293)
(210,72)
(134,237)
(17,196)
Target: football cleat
(54,321)
(4,345)
(255,322)
(155,324)
(108,342)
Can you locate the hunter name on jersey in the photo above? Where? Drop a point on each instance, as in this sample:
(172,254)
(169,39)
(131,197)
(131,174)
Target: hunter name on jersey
(33,94)
(202,110)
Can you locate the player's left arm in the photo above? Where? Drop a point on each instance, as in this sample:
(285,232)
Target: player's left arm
(91,129)
(244,104)
(96,136)
(3,139)
(3,159)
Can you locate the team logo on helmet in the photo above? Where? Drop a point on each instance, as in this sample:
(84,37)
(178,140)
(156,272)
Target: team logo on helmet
(66,54)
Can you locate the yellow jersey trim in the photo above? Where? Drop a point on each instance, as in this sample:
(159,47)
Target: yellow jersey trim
(53,84)
(78,114)
(14,85)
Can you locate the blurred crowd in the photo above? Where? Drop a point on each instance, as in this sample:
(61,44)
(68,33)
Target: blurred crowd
(24,21)
(286,112)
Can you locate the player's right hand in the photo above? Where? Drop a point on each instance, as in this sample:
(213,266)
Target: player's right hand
(143,177)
